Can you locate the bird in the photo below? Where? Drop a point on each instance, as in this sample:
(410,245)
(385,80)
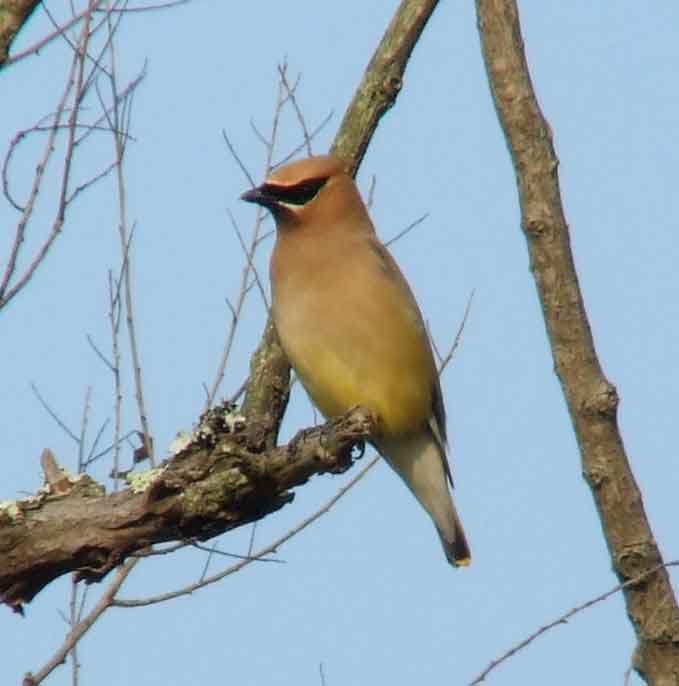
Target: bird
(352,330)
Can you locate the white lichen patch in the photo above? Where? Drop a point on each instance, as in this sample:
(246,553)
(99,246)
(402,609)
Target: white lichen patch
(234,420)
(181,441)
(67,475)
(140,481)
(10,509)
(203,432)
(79,477)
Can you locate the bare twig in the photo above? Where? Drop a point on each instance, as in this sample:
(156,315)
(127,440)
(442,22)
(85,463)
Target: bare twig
(445,361)
(314,132)
(237,158)
(80,629)
(249,251)
(95,443)
(214,550)
(6,293)
(563,619)
(407,229)
(53,414)
(114,313)
(282,71)
(371,193)
(120,122)
(73,621)
(83,429)
(251,542)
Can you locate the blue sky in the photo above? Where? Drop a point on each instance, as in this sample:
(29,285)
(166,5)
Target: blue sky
(365,591)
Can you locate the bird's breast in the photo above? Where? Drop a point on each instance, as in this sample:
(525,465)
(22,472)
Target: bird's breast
(355,337)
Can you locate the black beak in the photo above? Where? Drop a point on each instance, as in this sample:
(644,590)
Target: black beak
(256,195)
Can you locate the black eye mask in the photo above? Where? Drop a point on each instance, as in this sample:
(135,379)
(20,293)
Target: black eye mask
(299,194)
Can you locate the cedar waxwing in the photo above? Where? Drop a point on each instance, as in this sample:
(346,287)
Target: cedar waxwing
(352,330)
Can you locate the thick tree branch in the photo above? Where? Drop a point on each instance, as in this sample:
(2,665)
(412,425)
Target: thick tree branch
(382,80)
(13,15)
(592,400)
(219,481)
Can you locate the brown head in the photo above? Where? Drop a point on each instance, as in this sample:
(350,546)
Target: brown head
(312,192)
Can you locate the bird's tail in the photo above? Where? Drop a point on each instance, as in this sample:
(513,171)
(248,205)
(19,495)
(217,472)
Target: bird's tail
(420,462)
(457,551)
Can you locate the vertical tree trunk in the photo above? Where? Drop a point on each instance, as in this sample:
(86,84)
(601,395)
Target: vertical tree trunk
(592,400)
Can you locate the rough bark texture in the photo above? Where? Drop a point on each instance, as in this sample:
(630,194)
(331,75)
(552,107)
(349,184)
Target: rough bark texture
(13,15)
(268,388)
(382,80)
(592,400)
(218,482)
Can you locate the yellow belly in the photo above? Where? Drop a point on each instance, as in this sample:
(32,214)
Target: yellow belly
(352,329)
(376,355)
(400,395)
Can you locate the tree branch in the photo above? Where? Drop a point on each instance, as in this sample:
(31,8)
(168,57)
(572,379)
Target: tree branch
(221,480)
(592,400)
(382,81)
(13,15)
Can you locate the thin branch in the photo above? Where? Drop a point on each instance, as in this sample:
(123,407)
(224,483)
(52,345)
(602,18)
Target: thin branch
(53,414)
(27,209)
(154,7)
(250,252)
(72,621)
(456,342)
(407,229)
(314,132)
(98,353)
(121,123)
(260,136)
(282,71)
(115,444)
(93,448)
(83,430)
(251,542)
(563,619)
(211,551)
(80,629)
(107,110)
(214,550)
(237,158)
(371,193)
(90,182)
(114,316)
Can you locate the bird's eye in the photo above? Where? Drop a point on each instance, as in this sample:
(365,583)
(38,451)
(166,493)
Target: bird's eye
(299,194)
